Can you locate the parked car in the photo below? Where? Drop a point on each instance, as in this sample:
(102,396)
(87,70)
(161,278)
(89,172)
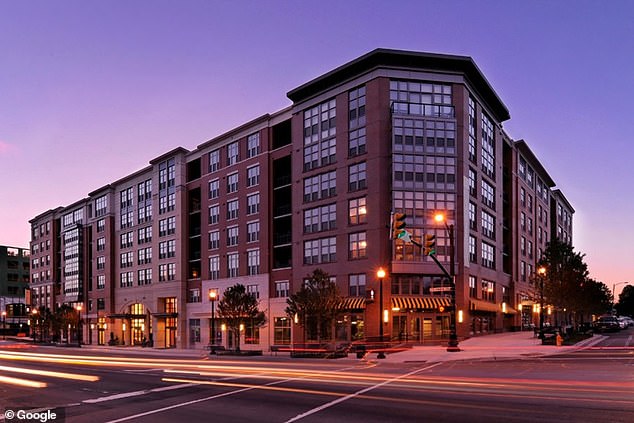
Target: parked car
(606,324)
(625,322)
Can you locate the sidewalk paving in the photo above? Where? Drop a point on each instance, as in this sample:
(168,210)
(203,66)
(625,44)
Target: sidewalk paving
(489,347)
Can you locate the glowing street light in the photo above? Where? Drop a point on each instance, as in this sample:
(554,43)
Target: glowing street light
(381,274)
(213,295)
(78,308)
(452,345)
(541,273)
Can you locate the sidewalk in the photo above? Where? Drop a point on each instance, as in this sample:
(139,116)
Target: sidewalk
(488,347)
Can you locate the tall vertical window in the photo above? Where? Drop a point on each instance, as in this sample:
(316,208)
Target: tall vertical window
(214,160)
(473,258)
(319,135)
(488,146)
(253,145)
(233,153)
(253,231)
(472,130)
(232,183)
(358,245)
(472,216)
(233,265)
(488,255)
(214,240)
(356,177)
(356,285)
(488,225)
(473,292)
(253,262)
(356,142)
(472,183)
(214,267)
(281,330)
(232,209)
(253,175)
(214,189)
(356,107)
(214,214)
(281,289)
(488,194)
(357,213)
(101,206)
(253,203)
(232,236)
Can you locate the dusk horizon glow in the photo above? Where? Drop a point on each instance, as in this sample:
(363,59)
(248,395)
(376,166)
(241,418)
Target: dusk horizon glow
(91,92)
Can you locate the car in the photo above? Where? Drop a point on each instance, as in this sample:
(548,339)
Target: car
(606,324)
(626,322)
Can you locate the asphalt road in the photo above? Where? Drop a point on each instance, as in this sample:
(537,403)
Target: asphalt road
(593,385)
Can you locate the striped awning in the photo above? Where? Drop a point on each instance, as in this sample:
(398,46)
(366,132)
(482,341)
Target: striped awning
(352,303)
(479,305)
(420,303)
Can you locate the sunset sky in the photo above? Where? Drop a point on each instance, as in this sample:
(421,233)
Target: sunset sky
(90,91)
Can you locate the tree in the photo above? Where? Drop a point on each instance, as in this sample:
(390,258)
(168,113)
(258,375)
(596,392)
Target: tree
(565,275)
(64,317)
(625,306)
(238,307)
(596,298)
(315,305)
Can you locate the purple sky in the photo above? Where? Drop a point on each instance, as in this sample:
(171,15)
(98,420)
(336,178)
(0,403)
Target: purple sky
(91,91)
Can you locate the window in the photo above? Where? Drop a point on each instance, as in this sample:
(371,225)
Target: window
(281,330)
(214,240)
(357,245)
(472,287)
(214,267)
(357,142)
(194,330)
(472,216)
(472,130)
(323,250)
(488,290)
(320,186)
(251,333)
(126,279)
(421,98)
(145,235)
(488,255)
(356,285)
(253,291)
(356,177)
(233,265)
(232,183)
(144,190)
(214,161)
(232,209)
(253,145)
(253,175)
(214,214)
(488,146)
(319,135)
(127,219)
(488,225)
(281,289)
(101,206)
(144,256)
(472,183)
(101,281)
(145,277)
(233,153)
(145,213)
(473,258)
(101,304)
(253,204)
(194,296)
(232,236)
(126,198)
(357,213)
(356,107)
(523,197)
(126,259)
(127,239)
(253,262)
(101,244)
(214,189)
(253,231)
(488,194)
(320,218)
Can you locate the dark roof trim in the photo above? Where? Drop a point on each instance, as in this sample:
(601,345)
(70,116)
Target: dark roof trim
(51,212)
(234,131)
(522,146)
(560,195)
(405,60)
(170,153)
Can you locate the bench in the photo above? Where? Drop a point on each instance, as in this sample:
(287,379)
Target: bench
(213,349)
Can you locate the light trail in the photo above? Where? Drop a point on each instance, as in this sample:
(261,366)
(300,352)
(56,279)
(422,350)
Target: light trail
(22,382)
(47,373)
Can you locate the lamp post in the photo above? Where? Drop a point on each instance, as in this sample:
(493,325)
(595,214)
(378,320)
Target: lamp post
(541,271)
(212,332)
(381,274)
(452,345)
(4,319)
(614,285)
(34,326)
(78,307)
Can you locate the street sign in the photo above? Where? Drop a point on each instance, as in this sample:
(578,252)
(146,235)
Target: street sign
(441,289)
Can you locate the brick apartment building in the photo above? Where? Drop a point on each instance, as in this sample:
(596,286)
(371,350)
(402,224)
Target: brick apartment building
(313,186)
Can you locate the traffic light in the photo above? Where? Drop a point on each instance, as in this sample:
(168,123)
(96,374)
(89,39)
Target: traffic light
(398,225)
(430,244)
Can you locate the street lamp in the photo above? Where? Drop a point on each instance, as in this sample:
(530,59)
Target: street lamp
(614,285)
(452,345)
(541,272)
(4,318)
(78,307)
(381,274)
(34,312)
(212,335)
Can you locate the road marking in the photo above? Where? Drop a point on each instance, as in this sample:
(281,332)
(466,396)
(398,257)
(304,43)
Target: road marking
(137,393)
(363,391)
